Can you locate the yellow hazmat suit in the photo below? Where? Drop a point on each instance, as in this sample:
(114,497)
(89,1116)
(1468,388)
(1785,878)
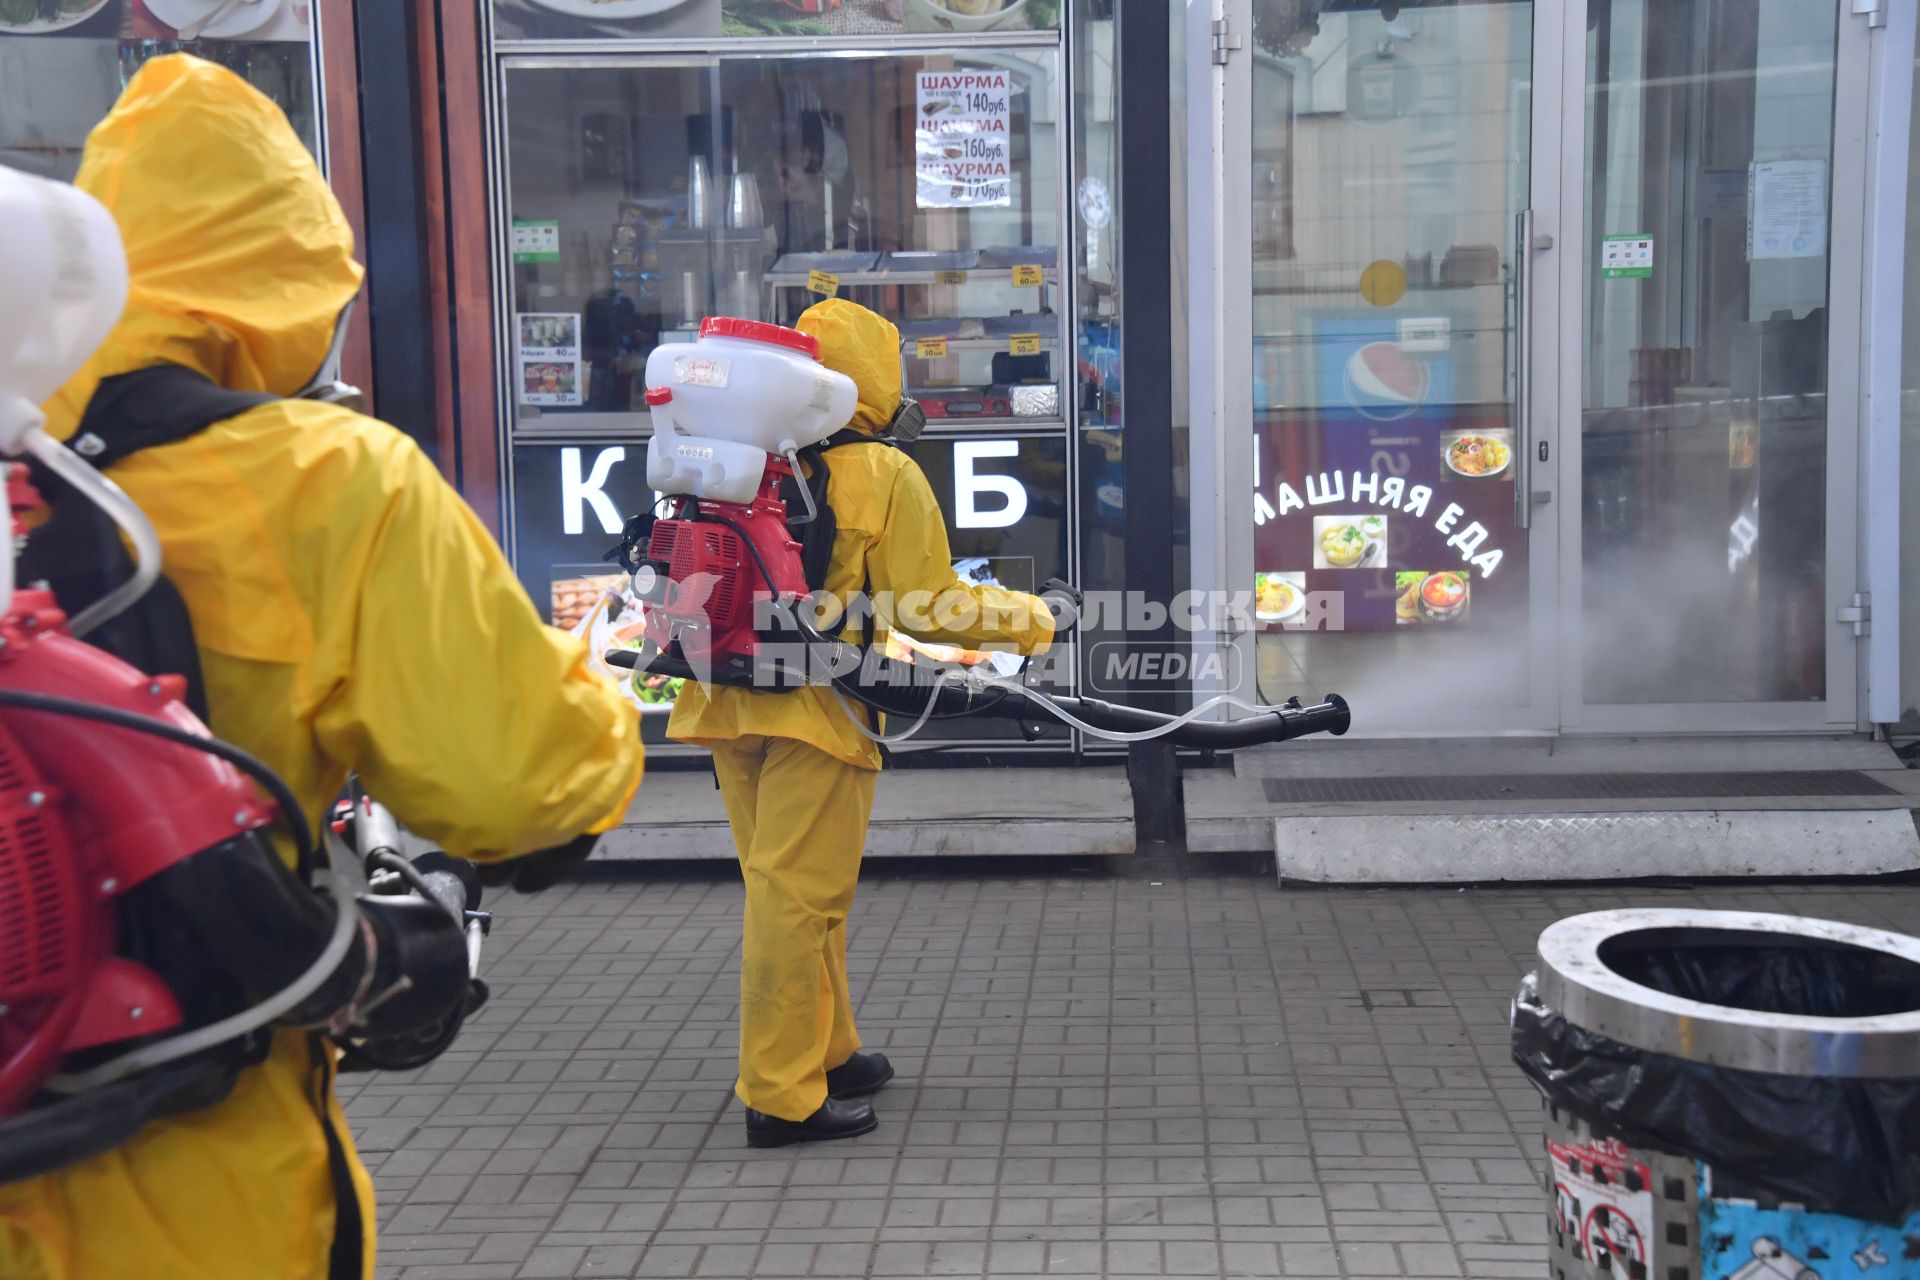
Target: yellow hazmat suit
(351,613)
(795,771)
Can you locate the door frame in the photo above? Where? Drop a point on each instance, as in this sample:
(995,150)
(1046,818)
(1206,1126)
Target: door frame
(1220,345)
(1219,240)
(1839,711)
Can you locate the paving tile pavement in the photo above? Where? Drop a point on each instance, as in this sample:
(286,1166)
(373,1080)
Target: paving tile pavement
(1107,1071)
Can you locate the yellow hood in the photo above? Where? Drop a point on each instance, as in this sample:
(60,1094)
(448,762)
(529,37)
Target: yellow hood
(865,347)
(239,260)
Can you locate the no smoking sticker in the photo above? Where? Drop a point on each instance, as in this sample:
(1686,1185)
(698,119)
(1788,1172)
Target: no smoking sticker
(1603,1202)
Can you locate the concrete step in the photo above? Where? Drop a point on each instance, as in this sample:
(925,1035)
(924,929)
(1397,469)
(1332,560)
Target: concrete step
(1410,757)
(1572,809)
(917,813)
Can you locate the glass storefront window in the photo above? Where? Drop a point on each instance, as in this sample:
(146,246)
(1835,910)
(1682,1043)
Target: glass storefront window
(1910,445)
(644,192)
(1704,432)
(708,20)
(647,196)
(1100,297)
(1391,154)
(61,73)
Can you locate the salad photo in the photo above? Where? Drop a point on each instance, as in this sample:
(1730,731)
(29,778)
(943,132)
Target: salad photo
(654,690)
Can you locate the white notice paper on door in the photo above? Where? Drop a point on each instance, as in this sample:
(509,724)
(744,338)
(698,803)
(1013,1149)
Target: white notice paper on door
(1787,209)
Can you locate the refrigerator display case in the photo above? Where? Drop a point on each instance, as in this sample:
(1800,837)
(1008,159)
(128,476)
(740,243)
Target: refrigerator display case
(645,196)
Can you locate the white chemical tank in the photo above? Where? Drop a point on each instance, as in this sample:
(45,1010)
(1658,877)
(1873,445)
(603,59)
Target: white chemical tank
(63,282)
(725,401)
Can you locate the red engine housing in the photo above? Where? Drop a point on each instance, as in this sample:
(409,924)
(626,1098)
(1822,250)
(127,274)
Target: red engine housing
(708,577)
(88,811)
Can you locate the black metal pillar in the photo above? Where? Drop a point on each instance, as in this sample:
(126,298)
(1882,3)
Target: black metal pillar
(1146,284)
(397,301)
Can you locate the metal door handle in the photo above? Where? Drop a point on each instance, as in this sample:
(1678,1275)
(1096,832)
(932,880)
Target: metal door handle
(1522,370)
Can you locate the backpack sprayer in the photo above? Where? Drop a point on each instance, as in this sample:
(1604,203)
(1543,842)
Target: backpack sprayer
(721,579)
(150,934)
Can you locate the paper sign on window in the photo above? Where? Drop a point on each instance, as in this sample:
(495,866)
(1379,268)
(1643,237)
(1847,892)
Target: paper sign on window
(963,157)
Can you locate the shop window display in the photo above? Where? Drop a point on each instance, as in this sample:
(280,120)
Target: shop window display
(647,192)
(666,19)
(64,62)
(644,199)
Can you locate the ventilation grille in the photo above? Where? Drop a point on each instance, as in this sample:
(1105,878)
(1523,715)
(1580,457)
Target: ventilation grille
(39,888)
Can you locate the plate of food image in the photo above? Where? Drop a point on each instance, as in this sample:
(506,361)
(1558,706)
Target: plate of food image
(1349,542)
(610,8)
(965,15)
(1443,596)
(1341,545)
(1275,598)
(1477,456)
(37,17)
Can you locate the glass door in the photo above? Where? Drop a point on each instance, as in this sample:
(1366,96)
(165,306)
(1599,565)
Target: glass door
(1712,445)
(1389,339)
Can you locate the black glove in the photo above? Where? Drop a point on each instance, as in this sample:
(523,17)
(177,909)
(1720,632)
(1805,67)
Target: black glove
(1063,601)
(536,871)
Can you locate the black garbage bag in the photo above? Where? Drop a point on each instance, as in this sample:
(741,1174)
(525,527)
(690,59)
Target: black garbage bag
(1836,1146)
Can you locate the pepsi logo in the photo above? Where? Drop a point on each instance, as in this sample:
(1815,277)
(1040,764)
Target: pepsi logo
(1385,383)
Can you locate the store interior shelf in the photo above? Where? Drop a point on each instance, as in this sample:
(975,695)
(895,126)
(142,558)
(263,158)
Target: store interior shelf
(1266,285)
(973,344)
(978,275)
(637,427)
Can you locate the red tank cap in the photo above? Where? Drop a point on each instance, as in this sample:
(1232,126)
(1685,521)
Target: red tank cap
(755,331)
(659,395)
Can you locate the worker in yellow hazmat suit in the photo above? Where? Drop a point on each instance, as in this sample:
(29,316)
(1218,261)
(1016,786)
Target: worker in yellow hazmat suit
(797,774)
(351,614)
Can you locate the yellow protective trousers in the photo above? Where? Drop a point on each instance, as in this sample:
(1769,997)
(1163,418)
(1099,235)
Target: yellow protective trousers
(799,819)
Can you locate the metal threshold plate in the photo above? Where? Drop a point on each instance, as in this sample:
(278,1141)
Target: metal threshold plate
(1578,786)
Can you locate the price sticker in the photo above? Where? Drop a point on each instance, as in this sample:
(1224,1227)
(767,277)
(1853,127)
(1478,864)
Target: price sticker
(1028,275)
(930,348)
(950,277)
(1024,344)
(824,283)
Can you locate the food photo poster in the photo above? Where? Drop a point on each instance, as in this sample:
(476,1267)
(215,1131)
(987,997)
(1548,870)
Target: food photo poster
(1381,487)
(550,372)
(100,19)
(255,21)
(585,19)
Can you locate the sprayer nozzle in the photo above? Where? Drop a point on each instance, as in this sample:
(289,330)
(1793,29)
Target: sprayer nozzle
(1343,715)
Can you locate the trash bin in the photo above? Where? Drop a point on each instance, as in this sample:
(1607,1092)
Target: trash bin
(1729,1096)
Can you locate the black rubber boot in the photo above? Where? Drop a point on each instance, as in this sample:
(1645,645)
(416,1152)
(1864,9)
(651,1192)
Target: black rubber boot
(858,1076)
(833,1120)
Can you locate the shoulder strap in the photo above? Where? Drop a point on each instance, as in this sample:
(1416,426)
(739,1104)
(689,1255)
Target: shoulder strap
(161,404)
(78,552)
(853,435)
(816,538)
